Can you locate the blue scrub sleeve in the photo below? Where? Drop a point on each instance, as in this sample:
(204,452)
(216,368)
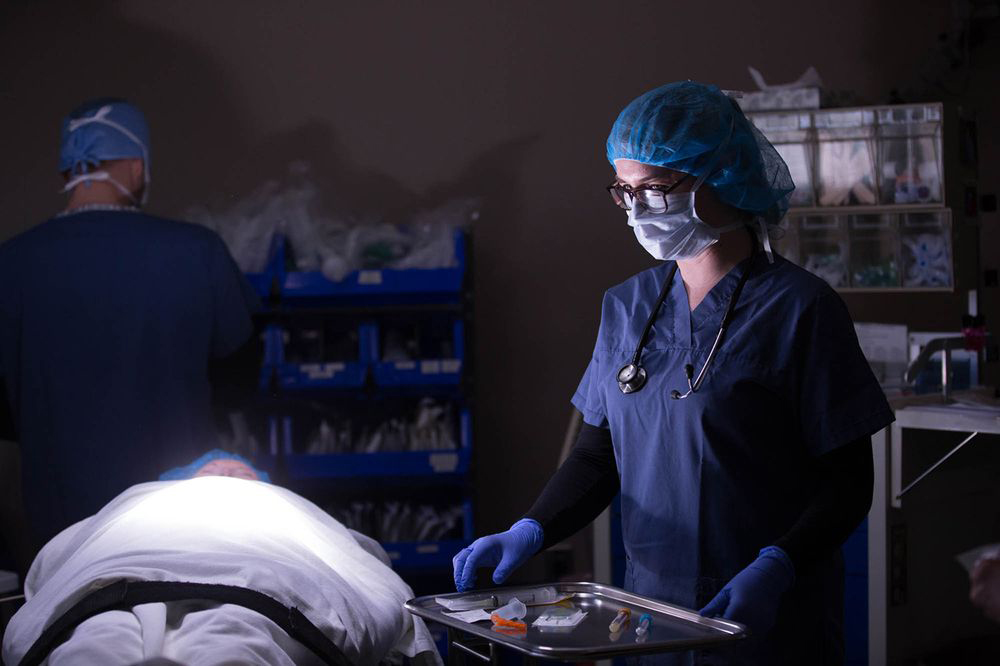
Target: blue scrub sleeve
(839,398)
(589,397)
(233,302)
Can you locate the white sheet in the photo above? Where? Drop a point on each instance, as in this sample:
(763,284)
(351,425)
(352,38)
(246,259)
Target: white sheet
(226,531)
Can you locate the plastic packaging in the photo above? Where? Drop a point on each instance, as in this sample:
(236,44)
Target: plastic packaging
(874,250)
(466,603)
(430,426)
(845,163)
(509,616)
(337,243)
(909,147)
(926,249)
(470,615)
(512,610)
(560,617)
(823,248)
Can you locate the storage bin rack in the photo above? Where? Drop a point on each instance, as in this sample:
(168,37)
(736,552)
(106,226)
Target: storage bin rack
(298,369)
(868,210)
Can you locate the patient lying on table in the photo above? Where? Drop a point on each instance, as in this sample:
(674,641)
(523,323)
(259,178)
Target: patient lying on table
(224,530)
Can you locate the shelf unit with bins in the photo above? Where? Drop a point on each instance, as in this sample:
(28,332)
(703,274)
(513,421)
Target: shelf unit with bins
(370,346)
(868,212)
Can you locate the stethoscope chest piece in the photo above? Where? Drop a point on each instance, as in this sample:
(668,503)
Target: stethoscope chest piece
(631,378)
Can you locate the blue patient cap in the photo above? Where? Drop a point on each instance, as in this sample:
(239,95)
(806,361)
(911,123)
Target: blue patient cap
(103,129)
(188,471)
(682,125)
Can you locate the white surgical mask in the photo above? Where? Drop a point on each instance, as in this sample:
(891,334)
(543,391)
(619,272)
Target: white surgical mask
(677,233)
(100,176)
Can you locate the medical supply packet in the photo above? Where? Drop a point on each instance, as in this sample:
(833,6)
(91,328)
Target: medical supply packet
(560,617)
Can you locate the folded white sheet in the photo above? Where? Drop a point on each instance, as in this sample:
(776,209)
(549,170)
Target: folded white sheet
(225,531)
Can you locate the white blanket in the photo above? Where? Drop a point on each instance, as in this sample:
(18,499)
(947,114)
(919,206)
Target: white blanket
(225,531)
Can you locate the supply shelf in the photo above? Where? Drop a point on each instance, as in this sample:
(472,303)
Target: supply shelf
(424,555)
(443,365)
(365,400)
(377,465)
(299,376)
(388,464)
(368,285)
(868,211)
(321,373)
(878,250)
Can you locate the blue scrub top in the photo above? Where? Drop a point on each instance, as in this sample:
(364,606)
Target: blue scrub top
(108,320)
(708,481)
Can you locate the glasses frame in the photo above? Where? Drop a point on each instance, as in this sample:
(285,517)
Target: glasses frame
(619,190)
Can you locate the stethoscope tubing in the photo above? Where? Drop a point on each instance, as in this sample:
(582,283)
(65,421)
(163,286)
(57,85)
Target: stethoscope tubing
(635,375)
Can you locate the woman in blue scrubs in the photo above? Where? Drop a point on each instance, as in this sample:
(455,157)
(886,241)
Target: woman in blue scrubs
(727,398)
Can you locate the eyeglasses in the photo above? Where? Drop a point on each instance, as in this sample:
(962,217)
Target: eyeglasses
(651,197)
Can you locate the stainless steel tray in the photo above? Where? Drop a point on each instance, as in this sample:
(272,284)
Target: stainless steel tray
(673,628)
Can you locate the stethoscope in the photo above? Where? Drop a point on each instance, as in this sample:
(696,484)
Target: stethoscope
(632,377)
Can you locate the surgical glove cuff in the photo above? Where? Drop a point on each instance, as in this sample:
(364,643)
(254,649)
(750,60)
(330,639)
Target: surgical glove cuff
(778,564)
(530,530)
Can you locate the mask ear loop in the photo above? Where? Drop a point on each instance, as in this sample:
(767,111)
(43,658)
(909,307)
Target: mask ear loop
(765,239)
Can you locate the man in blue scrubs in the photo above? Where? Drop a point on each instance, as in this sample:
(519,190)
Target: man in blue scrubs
(109,320)
(727,398)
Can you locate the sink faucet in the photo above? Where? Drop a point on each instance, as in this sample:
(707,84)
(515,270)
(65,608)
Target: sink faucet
(935,345)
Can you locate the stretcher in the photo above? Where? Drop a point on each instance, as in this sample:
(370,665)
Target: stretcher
(670,628)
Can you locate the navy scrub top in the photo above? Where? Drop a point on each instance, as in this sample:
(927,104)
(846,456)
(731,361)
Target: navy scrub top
(108,320)
(708,481)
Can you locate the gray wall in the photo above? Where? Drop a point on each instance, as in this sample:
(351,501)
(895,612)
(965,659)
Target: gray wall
(400,104)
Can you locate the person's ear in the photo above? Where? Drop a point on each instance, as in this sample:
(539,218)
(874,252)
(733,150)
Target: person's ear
(136,173)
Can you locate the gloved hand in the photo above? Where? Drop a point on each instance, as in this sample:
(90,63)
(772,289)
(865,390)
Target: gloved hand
(506,551)
(753,595)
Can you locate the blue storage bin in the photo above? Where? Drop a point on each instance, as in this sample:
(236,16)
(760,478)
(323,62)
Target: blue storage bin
(377,465)
(399,464)
(374,285)
(431,554)
(268,281)
(424,555)
(349,374)
(426,371)
(315,374)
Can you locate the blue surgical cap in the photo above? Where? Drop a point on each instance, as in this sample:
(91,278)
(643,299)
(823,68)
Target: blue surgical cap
(188,471)
(682,125)
(103,129)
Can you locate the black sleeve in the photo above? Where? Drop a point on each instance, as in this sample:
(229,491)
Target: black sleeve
(580,489)
(235,378)
(844,483)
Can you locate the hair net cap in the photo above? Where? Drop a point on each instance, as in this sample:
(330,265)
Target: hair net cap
(682,125)
(102,129)
(188,471)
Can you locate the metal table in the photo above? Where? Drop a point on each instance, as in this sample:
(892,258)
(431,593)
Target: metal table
(888,451)
(673,628)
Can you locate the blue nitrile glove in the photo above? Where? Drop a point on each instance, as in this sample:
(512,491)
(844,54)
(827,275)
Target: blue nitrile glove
(506,551)
(753,595)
